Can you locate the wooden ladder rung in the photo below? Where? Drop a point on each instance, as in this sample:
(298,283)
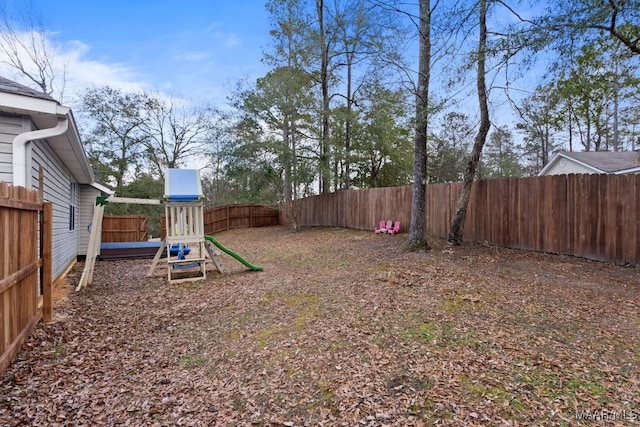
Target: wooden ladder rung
(186,261)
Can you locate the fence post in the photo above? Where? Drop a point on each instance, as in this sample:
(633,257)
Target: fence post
(47,228)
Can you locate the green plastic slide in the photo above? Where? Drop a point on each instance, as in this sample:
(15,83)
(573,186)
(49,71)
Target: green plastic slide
(233,254)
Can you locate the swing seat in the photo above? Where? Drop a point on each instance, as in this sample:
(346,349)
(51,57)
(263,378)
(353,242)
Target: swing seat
(193,264)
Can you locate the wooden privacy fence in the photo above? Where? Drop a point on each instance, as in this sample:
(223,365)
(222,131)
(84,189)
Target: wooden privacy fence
(235,216)
(125,228)
(360,209)
(591,216)
(22,300)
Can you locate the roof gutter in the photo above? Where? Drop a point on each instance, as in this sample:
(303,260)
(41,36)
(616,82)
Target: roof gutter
(20,173)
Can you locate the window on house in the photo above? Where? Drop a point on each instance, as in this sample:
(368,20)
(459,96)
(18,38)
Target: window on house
(72,206)
(72,217)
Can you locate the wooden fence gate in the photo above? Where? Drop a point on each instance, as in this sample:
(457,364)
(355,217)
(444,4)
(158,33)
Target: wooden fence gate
(24,222)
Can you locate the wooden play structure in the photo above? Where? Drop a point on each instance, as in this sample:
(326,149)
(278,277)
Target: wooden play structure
(184,220)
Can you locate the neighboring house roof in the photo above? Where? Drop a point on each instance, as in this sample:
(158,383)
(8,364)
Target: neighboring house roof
(611,162)
(45,112)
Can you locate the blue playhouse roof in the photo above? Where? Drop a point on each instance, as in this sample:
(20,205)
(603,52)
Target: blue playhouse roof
(182,185)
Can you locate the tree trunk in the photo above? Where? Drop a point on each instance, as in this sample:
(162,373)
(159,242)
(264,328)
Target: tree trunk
(457,225)
(347,130)
(294,163)
(324,82)
(417,239)
(287,162)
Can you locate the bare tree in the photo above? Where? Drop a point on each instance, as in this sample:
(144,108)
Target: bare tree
(25,48)
(457,225)
(176,131)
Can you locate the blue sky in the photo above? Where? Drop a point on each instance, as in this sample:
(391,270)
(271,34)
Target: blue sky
(193,49)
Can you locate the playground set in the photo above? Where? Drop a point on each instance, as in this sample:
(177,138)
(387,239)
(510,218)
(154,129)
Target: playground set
(186,246)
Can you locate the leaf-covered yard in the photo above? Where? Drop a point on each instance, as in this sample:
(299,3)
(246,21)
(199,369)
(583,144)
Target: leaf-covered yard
(341,328)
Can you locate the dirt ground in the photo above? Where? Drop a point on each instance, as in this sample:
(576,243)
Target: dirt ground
(341,328)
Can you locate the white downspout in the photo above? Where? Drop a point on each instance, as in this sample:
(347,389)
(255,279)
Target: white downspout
(20,173)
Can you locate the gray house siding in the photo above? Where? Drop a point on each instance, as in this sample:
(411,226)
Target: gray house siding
(88,196)
(63,167)
(61,189)
(10,126)
(566,166)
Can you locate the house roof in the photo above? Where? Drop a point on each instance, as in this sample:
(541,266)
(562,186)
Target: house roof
(612,162)
(9,86)
(44,112)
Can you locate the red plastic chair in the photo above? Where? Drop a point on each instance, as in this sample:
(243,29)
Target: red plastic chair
(381,227)
(395,229)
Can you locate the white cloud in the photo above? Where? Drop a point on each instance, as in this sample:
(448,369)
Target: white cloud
(83,72)
(73,69)
(213,27)
(231,41)
(193,56)
(194,73)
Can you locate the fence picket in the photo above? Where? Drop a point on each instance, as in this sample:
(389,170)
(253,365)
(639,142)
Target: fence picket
(19,263)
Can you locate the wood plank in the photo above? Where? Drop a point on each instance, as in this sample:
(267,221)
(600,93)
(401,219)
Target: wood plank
(13,278)
(18,267)
(18,204)
(94,244)
(634,256)
(47,261)
(603,200)
(13,348)
(132,200)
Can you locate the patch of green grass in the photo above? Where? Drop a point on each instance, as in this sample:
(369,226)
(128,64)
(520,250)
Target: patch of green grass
(326,391)
(424,332)
(442,334)
(301,309)
(337,345)
(593,386)
(234,335)
(327,397)
(494,393)
(382,266)
(456,303)
(264,336)
(240,320)
(455,338)
(191,360)
(238,403)
(434,413)
(59,351)
(575,385)
(306,306)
